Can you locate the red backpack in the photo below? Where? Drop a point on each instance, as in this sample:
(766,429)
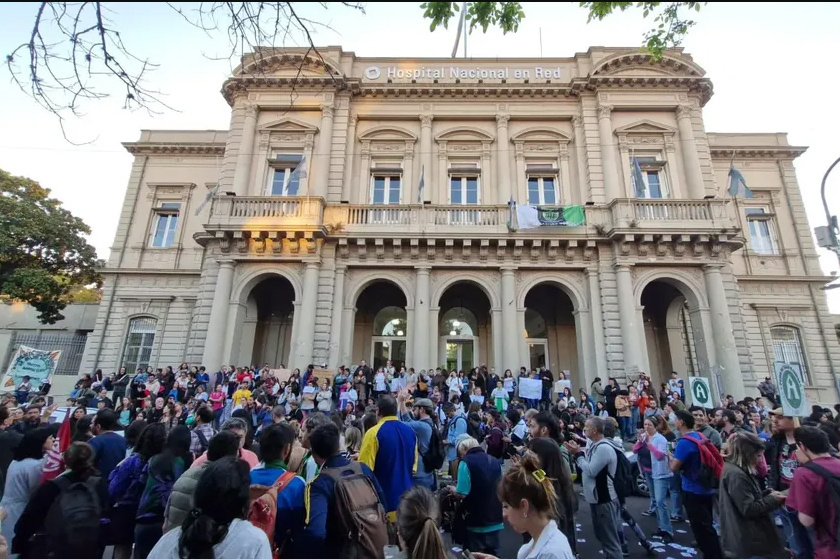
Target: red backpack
(711,462)
(262,512)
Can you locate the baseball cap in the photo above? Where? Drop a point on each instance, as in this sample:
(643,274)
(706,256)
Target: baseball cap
(424,403)
(778,411)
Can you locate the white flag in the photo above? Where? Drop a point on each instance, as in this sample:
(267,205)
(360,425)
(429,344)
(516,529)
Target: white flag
(527,217)
(421,186)
(210,194)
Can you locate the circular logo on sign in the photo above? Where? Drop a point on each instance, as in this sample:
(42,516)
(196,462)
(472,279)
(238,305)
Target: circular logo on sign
(790,387)
(372,73)
(700,393)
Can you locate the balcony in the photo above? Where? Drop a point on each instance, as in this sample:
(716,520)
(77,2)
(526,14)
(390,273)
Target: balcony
(677,217)
(417,220)
(267,213)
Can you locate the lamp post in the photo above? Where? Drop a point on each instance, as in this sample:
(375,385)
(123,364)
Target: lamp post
(827,235)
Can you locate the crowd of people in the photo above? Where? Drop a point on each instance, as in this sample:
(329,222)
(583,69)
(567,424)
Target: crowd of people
(239,463)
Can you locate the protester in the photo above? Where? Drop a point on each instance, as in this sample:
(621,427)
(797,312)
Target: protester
(418,517)
(23,477)
(108,446)
(478,476)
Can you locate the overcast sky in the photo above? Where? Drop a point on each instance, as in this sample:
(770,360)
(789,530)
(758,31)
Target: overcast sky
(774,69)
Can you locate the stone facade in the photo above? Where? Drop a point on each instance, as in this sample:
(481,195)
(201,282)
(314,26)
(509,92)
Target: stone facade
(305,267)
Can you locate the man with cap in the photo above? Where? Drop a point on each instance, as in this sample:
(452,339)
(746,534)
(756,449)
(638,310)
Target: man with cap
(420,420)
(780,453)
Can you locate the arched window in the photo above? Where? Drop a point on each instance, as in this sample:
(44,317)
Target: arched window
(139,341)
(787,349)
(459,321)
(391,322)
(535,326)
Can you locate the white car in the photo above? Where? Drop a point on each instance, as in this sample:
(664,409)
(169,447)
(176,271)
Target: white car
(59,413)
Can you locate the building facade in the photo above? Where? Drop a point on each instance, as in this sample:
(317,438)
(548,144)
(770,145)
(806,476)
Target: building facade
(360,211)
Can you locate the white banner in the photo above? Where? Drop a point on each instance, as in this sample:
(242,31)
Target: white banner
(560,385)
(530,388)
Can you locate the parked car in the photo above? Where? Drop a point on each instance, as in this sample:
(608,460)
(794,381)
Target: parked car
(640,482)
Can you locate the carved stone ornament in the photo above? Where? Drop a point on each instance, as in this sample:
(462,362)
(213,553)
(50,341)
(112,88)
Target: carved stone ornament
(577,121)
(604,111)
(327,111)
(502,120)
(426,120)
(683,111)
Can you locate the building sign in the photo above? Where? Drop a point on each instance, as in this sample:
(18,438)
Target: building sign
(451,73)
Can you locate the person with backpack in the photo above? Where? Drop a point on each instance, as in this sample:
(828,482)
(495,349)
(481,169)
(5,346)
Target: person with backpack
(277,493)
(455,426)
(345,504)
(62,519)
(815,492)
(182,499)
(202,432)
(597,466)
(217,526)
(701,465)
(429,443)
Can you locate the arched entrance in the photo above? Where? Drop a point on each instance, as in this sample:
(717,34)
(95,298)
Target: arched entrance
(550,330)
(269,318)
(670,334)
(380,332)
(464,325)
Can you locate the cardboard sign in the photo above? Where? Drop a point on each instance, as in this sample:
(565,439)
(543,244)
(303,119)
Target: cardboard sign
(281,375)
(560,385)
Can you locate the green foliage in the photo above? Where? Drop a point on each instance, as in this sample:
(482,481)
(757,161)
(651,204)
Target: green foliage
(504,15)
(670,26)
(43,253)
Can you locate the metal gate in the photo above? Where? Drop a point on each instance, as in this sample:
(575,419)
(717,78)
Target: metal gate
(72,348)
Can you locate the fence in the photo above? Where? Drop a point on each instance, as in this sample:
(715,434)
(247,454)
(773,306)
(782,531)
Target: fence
(72,348)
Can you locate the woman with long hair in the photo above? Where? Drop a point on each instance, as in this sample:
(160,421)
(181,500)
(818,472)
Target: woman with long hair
(125,487)
(746,522)
(529,505)
(418,518)
(78,413)
(217,527)
(551,460)
(38,519)
(163,470)
(23,476)
(83,432)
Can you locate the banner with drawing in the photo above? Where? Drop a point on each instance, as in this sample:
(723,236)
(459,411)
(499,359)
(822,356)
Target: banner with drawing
(37,364)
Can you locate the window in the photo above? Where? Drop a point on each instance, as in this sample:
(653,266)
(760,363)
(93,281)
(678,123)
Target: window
(542,191)
(390,322)
(761,233)
(284,180)
(138,343)
(463,190)
(787,349)
(166,222)
(386,189)
(653,178)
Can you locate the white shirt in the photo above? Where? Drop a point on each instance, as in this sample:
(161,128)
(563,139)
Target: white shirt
(551,544)
(243,541)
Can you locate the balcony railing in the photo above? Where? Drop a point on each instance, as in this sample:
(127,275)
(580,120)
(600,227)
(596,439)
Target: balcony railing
(266,212)
(417,219)
(694,215)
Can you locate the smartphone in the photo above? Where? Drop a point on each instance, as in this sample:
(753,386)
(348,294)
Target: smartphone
(467,554)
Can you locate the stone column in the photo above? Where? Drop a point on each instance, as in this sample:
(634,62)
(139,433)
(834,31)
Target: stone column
(510,339)
(691,160)
(322,169)
(597,317)
(335,355)
(242,173)
(347,185)
(725,348)
(580,153)
(503,185)
(216,328)
(420,327)
(426,159)
(608,163)
(521,189)
(628,318)
(302,344)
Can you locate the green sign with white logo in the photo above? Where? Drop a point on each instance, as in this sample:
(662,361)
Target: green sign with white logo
(701,393)
(791,392)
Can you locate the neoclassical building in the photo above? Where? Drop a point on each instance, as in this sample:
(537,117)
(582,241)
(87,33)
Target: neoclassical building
(360,211)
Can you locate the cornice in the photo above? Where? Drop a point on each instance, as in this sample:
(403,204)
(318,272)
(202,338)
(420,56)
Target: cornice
(698,85)
(319,84)
(177,148)
(758,152)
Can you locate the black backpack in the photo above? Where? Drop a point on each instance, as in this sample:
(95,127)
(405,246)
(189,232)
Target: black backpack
(623,480)
(72,522)
(434,457)
(203,443)
(832,485)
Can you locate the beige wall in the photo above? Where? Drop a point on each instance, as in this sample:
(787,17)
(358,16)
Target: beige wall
(604,107)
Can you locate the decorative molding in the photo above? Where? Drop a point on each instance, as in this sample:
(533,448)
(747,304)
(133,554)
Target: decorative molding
(170,148)
(604,111)
(426,120)
(502,120)
(757,152)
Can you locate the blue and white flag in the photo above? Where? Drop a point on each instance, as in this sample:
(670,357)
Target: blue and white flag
(210,194)
(638,178)
(299,172)
(421,186)
(737,185)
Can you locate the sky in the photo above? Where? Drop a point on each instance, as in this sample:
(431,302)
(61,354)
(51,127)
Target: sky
(773,70)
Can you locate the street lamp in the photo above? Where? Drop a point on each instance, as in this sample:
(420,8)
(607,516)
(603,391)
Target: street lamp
(827,235)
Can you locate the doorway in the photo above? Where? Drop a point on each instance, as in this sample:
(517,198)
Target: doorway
(538,352)
(460,353)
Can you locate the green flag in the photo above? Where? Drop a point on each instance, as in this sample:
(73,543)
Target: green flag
(573,215)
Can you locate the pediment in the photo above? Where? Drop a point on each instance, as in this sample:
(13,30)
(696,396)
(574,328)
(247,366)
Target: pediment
(645,127)
(641,64)
(540,135)
(290,64)
(289,125)
(464,134)
(388,133)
